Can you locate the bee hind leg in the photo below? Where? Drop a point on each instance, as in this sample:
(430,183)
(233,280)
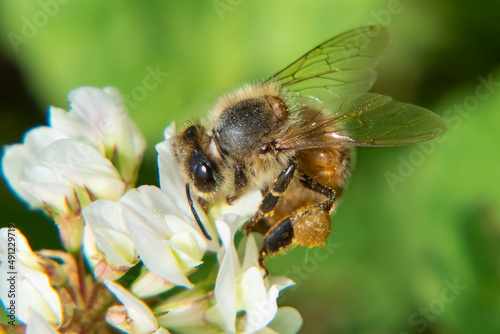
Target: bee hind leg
(309,226)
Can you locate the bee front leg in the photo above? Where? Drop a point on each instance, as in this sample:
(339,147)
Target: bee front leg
(270,200)
(240,183)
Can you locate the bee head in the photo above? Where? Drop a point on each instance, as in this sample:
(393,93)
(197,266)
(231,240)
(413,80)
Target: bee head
(200,162)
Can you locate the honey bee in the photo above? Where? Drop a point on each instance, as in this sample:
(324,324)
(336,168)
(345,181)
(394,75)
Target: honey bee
(291,137)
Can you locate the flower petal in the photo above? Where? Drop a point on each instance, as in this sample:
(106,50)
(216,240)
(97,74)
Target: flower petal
(149,284)
(225,284)
(85,167)
(36,292)
(260,305)
(23,251)
(245,206)
(51,189)
(142,319)
(33,286)
(39,138)
(36,324)
(105,219)
(17,157)
(251,254)
(287,321)
(146,210)
(187,312)
(169,131)
(99,118)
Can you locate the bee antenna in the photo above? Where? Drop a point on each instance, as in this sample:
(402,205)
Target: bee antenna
(195,214)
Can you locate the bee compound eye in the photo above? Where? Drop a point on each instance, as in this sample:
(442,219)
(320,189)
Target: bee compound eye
(203,171)
(203,177)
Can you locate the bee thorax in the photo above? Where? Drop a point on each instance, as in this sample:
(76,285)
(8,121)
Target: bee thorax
(241,127)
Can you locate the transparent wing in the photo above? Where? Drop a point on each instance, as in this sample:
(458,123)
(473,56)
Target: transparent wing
(343,65)
(367,120)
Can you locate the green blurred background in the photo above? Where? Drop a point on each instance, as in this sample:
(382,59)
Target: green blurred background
(415,246)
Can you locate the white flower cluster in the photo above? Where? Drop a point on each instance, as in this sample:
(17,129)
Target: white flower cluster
(81,170)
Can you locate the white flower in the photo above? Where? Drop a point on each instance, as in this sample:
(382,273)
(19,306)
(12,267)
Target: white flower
(134,316)
(155,224)
(98,117)
(168,245)
(33,291)
(146,221)
(188,312)
(242,287)
(107,245)
(91,152)
(79,169)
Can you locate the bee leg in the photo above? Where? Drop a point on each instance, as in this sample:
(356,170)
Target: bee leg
(240,183)
(270,200)
(315,186)
(309,226)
